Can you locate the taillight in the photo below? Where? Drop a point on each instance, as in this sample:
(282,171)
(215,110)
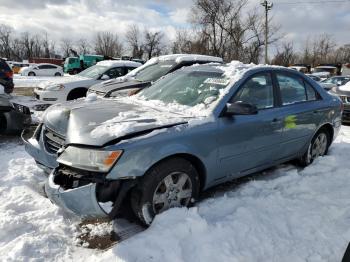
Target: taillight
(9,74)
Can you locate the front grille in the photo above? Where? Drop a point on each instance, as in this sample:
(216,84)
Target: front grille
(22,109)
(345,99)
(53,141)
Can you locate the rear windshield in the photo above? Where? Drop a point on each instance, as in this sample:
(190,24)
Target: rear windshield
(155,71)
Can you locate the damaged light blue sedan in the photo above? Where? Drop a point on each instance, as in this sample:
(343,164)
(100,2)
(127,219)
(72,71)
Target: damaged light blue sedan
(193,129)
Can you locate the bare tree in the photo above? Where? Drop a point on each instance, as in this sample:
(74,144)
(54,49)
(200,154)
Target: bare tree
(83,46)
(66,45)
(133,38)
(286,55)
(153,45)
(230,29)
(5,41)
(108,44)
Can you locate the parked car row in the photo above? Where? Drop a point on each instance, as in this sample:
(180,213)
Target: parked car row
(194,123)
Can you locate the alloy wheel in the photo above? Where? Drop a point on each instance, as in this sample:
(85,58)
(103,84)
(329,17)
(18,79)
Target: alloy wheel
(175,190)
(318,147)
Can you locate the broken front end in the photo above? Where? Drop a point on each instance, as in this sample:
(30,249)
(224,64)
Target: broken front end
(88,194)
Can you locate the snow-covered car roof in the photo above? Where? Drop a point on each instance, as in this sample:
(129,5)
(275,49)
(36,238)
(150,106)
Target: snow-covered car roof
(111,63)
(178,59)
(188,57)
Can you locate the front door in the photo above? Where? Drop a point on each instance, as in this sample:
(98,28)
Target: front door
(246,142)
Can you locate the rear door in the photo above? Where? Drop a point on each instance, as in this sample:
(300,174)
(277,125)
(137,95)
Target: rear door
(246,142)
(300,109)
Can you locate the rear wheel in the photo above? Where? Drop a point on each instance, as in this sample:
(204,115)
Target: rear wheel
(171,183)
(318,147)
(31,74)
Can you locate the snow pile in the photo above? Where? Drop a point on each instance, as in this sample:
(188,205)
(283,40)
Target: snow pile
(101,229)
(287,214)
(91,97)
(31,227)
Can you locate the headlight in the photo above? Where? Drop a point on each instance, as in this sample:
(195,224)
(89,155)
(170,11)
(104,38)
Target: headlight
(54,88)
(89,159)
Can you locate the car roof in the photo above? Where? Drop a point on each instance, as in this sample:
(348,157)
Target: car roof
(236,69)
(111,63)
(178,58)
(46,64)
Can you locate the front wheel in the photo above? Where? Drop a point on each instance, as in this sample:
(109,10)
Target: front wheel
(58,74)
(171,183)
(31,74)
(318,147)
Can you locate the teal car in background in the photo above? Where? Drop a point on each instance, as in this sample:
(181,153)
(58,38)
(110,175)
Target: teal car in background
(195,128)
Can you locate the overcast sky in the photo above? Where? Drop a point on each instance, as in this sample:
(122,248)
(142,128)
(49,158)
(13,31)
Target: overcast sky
(82,18)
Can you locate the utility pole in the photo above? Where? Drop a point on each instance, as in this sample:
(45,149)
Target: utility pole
(268,7)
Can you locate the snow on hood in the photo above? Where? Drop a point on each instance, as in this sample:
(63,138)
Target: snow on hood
(102,120)
(63,80)
(345,87)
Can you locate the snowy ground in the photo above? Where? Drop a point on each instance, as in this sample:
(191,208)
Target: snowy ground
(285,214)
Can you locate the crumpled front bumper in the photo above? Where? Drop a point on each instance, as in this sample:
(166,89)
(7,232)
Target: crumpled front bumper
(81,201)
(34,146)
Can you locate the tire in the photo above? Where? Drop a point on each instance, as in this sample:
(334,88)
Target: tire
(318,147)
(58,74)
(77,93)
(75,71)
(171,183)
(31,74)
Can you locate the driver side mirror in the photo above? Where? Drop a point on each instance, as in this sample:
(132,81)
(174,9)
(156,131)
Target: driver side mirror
(339,83)
(104,77)
(240,108)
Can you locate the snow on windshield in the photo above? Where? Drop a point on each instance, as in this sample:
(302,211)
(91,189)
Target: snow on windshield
(194,93)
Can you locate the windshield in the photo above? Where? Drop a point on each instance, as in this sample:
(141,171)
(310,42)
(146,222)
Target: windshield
(154,72)
(187,88)
(93,72)
(337,80)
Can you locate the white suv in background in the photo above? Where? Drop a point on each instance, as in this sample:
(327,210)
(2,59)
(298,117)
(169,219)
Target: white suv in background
(73,87)
(42,70)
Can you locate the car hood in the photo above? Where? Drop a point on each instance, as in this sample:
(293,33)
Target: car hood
(116,84)
(65,80)
(97,123)
(342,90)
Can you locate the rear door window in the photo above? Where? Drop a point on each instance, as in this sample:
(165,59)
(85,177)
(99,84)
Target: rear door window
(258,91)
(115,72)
(292,89)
